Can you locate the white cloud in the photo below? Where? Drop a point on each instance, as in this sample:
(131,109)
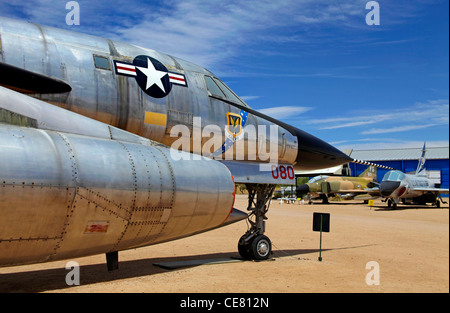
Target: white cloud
(249,98)
(418,116)
(350,118)
(210,33)
(284,112)
(395,129)
(365,121)
(387,143)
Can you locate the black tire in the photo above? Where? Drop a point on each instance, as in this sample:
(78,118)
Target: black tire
(244,249)
(261,248)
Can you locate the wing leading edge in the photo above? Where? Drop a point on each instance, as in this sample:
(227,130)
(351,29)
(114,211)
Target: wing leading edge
(25,81)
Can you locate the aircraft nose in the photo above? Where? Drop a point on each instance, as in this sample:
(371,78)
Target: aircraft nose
(302,190)
(388,187)
(314,153)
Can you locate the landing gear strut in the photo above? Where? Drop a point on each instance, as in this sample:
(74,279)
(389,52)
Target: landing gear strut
(438,203)
(254,244)
(392,203)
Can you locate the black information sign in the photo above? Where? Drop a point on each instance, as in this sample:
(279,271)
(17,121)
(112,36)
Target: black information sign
(321,222)
(321,218)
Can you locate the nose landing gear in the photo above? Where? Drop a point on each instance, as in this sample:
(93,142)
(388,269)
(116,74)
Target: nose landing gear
(254,244)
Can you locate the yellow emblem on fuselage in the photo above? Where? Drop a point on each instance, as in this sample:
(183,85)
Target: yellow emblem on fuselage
(234,126)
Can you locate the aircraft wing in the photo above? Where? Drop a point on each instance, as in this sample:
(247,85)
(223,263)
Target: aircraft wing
(367,196)
(22,110)
(26,81)
(356,191)
(440,190)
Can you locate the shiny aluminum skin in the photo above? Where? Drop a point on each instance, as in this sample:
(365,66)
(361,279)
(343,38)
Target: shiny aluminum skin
(104,179)
(118,100)
(69,194)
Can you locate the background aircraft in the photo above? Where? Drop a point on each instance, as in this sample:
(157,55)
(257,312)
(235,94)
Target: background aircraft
(415,187)
(91,133)
(322,187)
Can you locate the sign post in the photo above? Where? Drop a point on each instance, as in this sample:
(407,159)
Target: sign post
(321,223)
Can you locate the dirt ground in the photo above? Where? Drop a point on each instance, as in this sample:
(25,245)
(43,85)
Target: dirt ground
(410,246)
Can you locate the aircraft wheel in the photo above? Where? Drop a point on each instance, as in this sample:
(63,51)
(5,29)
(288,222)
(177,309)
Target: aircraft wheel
(261,247)
(438,203)
(389,203)
(244,248)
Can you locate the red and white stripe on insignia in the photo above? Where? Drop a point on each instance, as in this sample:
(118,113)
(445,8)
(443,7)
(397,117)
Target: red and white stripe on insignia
(177,79)
(125,69)
(128,69)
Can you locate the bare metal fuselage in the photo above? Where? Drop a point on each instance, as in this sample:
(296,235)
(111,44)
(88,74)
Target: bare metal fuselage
(85,163)
(118,100)
(68,194)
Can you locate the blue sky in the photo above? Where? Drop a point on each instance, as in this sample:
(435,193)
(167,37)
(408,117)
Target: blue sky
(314,64)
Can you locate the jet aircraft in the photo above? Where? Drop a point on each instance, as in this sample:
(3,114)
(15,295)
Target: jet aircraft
(106,146)
(323,186)
(415,187)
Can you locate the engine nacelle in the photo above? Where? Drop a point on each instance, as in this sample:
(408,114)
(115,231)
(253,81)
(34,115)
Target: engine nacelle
(64,195)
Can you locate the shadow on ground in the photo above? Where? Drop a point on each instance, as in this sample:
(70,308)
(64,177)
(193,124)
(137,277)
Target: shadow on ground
(54,279)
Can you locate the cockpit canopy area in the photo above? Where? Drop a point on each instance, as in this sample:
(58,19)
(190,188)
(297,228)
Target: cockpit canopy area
(394,176)
(317,178)
(219,90)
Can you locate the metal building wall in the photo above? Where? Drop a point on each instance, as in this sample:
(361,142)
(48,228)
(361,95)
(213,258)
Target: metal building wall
(407,166)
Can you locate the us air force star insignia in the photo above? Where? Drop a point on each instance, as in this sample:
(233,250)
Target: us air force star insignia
(154,77)
(151,75)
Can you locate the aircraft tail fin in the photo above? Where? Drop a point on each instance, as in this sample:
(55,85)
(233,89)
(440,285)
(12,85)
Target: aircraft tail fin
(371,171)
(420,166)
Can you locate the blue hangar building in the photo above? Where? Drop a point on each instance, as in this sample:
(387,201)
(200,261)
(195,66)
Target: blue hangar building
(405,160)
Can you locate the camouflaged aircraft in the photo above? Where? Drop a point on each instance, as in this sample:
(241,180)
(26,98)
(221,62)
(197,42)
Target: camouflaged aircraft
(90,162)
(363,187)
